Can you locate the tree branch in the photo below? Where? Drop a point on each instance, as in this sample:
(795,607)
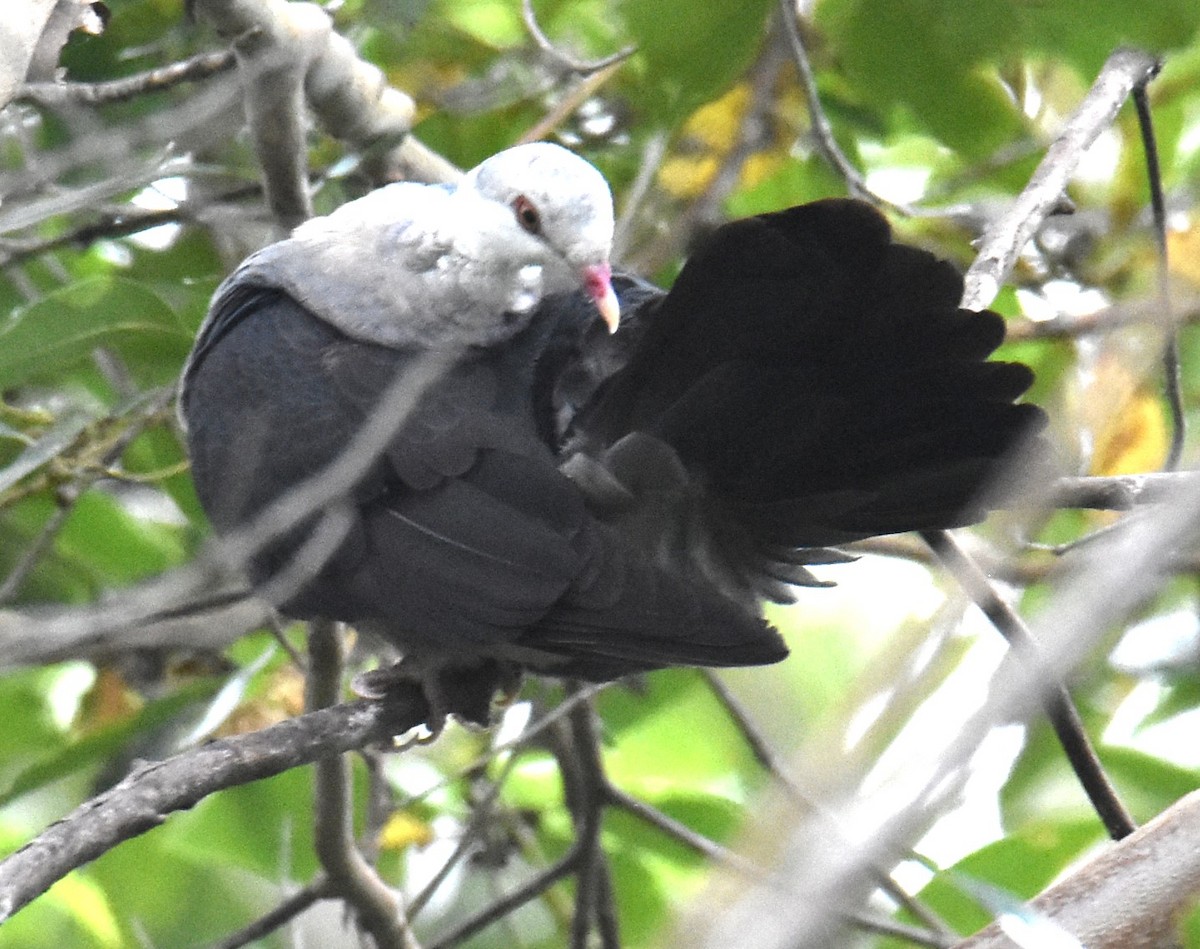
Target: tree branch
(350,876)
(1060,709)
(194,69)
(564,59)
(152,791)
(288,55)
(1122,73)
(282,914)
(1132,895)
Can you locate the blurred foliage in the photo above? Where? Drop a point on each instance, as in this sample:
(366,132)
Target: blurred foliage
(937,101)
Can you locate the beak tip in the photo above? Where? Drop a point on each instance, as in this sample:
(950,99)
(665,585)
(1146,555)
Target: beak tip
(597,279)
(610,310)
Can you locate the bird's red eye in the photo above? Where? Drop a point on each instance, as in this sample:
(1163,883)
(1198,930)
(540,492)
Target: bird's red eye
(527,214)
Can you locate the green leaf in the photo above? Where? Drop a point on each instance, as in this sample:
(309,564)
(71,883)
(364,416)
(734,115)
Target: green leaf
(75,912)
(113,545)
(674,735)
(1054,27)
(1023,864)
(264,827)
(1146,784)
(167,896)
(689,52)
(926,55)
(102,745)
(495,23)
(60,331)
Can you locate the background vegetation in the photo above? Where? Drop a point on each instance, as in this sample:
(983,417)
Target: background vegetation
(119,214)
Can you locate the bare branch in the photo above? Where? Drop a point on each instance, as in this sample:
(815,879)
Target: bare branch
(350,876)
(706,209)
(1060,709)
(281,915)
(822,131)
(196,68)
(564,59)
(584,783)
(582,91)
(33,35)
(1124,71)
(152,791)
(481,813)
(289,55)
(1120,492)
(519,897)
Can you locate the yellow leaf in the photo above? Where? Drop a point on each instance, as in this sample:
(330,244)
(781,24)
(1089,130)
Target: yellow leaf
(707,138)
(404,830)
(1183,252)
(1126,420)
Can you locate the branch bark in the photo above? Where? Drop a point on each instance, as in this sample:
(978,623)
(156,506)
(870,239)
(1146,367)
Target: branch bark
(1129,897)
(151,792)
(31,36)
(1122,73)
(289,56)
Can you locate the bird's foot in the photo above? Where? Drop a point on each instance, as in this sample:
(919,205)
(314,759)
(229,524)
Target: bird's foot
(465,692)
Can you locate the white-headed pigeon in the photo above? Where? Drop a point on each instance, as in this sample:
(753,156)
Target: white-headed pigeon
(567,499)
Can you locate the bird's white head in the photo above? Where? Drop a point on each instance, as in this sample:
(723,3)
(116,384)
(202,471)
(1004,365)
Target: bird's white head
(564,204)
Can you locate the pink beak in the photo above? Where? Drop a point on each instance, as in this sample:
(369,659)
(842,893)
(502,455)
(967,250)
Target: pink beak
(597,280)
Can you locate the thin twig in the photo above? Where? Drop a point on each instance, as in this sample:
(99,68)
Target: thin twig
(680,832)
(755,740)
(516,899)
(766,757)
(481,814)
(1059,707)
(1171,370)
(587,87)
(531,731)
(706,209)
(282,914)
(822,130)
(582,67)
(375,904)
(890,927)
(652,155)
(67,496)
(199,67)
(586,797)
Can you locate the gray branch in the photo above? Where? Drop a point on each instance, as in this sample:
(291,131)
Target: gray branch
(151,792)
(198,67)
(289,56)
(1133,894)
(998,251)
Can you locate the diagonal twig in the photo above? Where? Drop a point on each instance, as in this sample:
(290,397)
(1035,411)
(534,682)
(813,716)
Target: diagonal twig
(1060,709)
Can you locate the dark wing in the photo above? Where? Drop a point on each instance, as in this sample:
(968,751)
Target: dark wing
(822,381)
(464,538)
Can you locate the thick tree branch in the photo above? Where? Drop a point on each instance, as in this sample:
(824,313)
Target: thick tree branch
(152,791)
(33,33)
(289,56)
(1132,896)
